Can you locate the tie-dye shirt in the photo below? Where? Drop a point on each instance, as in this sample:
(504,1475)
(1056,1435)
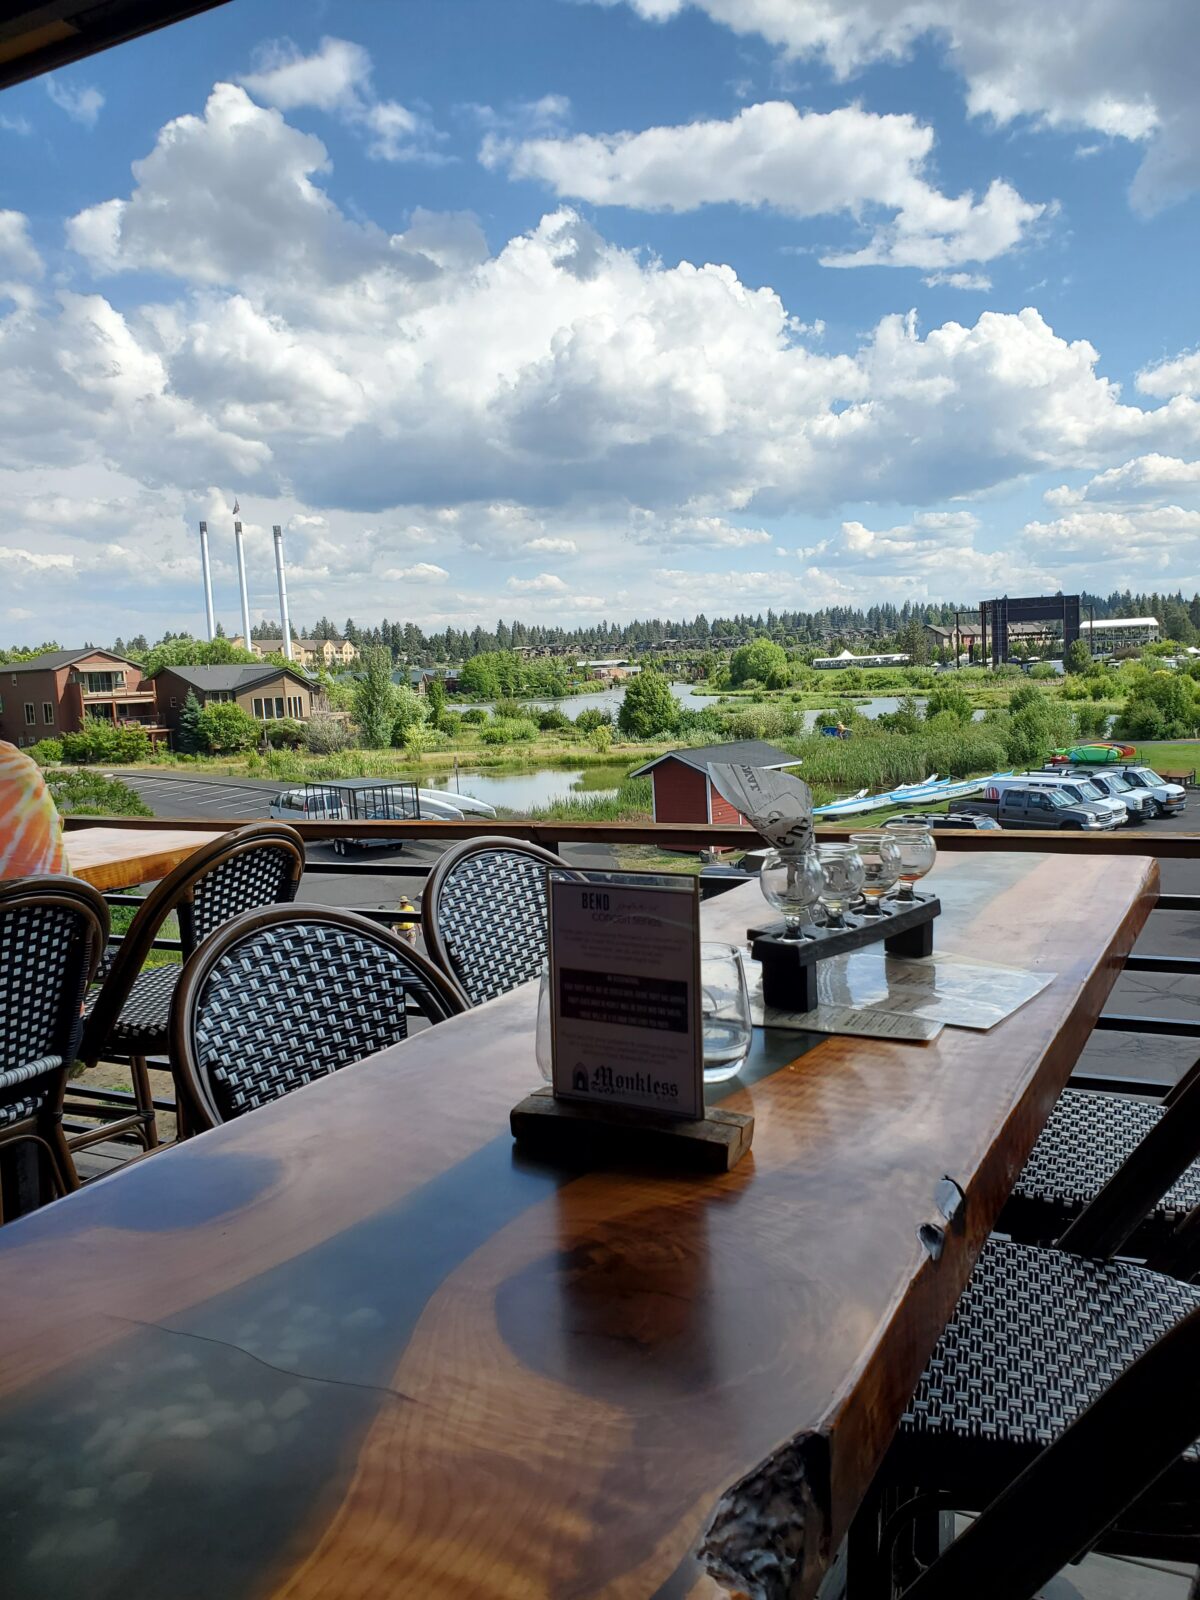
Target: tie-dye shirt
(30,833)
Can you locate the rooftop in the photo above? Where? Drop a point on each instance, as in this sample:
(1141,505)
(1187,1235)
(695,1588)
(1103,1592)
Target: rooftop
(53,659)
(236,677)
(743,752)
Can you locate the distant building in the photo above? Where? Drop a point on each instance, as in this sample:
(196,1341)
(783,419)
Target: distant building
(52,694)
(683,790)
(419,678)
(330,654)
(846,659)
(611,671)
(1118,633)
(266,693)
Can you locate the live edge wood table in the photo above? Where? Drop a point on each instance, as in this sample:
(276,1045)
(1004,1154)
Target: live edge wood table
(355,1346)
(119,858)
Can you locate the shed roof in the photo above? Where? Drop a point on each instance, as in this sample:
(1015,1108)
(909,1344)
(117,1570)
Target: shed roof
(743,752)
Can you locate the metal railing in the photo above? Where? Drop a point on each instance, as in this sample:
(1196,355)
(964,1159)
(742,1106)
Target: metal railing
(692,838)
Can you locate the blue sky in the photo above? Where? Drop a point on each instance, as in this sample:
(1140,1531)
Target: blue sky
(569,309)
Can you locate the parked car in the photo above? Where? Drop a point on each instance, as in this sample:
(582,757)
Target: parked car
(951,819)
(1019,805)
(361,800)
(1140,802)
(1168,798)
(1083,792)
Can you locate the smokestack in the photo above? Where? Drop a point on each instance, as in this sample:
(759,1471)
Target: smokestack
(208,603)
(241,562)
(283,610)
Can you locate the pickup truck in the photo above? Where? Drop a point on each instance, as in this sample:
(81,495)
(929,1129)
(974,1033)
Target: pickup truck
(1033,807)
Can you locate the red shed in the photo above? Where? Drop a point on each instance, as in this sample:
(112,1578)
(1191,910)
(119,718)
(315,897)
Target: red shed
(683,791)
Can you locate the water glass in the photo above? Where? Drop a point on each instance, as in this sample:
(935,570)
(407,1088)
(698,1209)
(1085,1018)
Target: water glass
(881,859)
(918,851)
(792,881)
(842,869)
(725,1004)
(543,1046)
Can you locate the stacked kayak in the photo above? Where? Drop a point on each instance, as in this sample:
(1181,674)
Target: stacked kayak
(1100,753)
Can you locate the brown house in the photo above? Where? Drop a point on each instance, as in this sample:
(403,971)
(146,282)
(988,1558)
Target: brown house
(267,693)
(52,694)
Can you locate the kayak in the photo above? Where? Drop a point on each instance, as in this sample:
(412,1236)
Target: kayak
(932,792)
(1100,753)
(433,800)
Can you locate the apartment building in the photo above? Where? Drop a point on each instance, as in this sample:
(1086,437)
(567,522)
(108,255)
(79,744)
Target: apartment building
(267,693)
(333,655)
(51,695)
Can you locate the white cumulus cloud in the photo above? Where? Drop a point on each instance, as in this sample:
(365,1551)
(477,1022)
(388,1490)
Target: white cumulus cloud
(804,164)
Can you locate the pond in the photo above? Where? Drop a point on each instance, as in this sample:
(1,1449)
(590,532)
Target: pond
(518,791)
(603,700)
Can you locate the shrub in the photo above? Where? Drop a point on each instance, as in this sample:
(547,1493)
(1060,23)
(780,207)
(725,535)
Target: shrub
(591,718)
(648,707)
(1043,670)
(93,795)
(552,720)
(601,739)
(46,752)
(285,734)
(98,740)
(226,729)
(509,730)
(1091,721)
(450,722)
(947,699)
(326,735)
(477,714)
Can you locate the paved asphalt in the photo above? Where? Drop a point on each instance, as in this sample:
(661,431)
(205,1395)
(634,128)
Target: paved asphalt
(1120,1054)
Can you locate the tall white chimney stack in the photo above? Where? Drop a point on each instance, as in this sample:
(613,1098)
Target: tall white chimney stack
(241,562)
(208,601)
(283,609)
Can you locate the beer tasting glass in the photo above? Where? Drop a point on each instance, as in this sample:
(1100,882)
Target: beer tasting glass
(792,881)
(881,859)
(918,851)
(842,869)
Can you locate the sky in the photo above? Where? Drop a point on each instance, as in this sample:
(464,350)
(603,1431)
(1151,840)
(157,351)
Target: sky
(579,309)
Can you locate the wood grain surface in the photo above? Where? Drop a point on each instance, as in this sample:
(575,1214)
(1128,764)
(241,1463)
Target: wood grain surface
(354,1346)
(119,858)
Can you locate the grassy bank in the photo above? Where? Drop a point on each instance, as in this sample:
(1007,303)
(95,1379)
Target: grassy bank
(1178,755)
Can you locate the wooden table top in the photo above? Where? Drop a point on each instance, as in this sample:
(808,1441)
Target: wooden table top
(354,1347)
(119,858)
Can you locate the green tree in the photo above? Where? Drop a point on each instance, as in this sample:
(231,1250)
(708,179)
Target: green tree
(435,699)
(189,740)
(188,652)
(763,661)
(100,740)
(1078,657)
(648,707)
(225,729)
(375,699)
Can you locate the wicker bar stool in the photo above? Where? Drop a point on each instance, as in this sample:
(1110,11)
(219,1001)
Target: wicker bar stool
(281,997)
(1049,1387)
(483,914)
(1085,1141)
(256,865)
(52,936)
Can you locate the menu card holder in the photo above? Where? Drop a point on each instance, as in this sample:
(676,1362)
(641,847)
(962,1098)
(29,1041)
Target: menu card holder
(626,1025)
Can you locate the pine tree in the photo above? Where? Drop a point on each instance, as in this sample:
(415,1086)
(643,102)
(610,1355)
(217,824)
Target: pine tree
(188,739)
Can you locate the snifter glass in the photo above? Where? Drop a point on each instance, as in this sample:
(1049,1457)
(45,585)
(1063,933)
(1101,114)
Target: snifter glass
(792,881)
(881,859)
(918,852)
(842,869)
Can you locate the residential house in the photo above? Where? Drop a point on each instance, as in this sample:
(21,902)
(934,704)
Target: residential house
(329,655)
(683,790)
(51,695)
(267,693)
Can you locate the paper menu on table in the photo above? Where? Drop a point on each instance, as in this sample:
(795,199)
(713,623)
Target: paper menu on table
(943,989)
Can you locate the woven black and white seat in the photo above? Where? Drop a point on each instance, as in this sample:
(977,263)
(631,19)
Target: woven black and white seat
(1049,1405)
(483,914)
(52,934)
(1085,1141)
(129,1012)
(284,996)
